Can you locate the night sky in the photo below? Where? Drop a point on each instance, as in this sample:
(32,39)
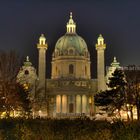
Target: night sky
(22,22)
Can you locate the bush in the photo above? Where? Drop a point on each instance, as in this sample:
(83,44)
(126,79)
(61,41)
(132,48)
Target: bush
(66,129)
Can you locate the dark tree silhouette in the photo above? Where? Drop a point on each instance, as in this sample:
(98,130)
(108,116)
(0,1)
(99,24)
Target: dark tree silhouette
(114,97)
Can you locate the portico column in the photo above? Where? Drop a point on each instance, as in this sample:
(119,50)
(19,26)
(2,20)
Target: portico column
(81,104)
(61,104)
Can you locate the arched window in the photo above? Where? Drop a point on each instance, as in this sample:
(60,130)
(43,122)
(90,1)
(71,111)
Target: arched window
(42,42)
(71,69)
(71,29)
(101,43)
(26,72)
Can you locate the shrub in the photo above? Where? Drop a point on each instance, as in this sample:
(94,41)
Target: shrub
(66,129)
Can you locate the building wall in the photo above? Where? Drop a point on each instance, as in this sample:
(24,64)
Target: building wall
(61,68)
(72,96)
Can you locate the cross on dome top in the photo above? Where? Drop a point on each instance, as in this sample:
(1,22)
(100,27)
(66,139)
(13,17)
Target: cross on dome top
(71,15)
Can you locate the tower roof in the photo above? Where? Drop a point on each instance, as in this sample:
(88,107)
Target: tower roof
(100,36)
(42,37)
(115,63)
(42,42)
(27,62)
(100,45)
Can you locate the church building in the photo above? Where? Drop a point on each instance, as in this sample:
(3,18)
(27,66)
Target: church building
(70,91)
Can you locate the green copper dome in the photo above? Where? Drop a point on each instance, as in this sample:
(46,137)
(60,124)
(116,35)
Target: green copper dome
(71,42)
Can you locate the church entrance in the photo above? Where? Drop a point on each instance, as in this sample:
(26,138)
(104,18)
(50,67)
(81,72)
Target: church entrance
(71,108)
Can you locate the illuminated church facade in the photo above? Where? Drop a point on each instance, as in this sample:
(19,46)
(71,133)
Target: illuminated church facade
(70,91)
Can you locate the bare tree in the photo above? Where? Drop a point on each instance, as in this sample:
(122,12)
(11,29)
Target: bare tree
(9,66)
(133,88)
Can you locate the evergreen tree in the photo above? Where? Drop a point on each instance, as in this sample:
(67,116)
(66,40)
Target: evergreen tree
(115,96)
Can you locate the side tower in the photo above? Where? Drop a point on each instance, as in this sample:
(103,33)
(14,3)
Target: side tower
(42,47)
(114,65)
(27,74)
(100,47)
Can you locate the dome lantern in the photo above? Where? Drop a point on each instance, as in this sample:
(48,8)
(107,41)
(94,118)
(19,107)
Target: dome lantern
(71,26)
(42,42)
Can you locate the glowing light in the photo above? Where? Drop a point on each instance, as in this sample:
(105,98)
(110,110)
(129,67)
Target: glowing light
(42,42)
(100,43)
(129,113)
(40,113)
(13,114)
(71,26)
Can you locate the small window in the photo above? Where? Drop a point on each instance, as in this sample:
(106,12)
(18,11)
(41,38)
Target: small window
(71,29)
(26,72)
(71,69)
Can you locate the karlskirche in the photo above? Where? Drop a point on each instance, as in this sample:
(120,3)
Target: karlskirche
(70,91)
